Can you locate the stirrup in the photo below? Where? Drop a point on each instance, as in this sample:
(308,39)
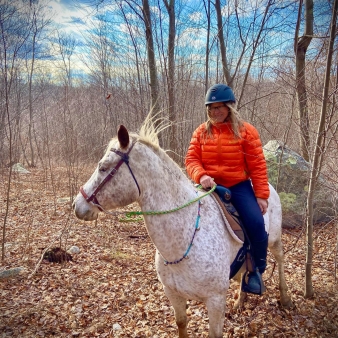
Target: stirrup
(252,282)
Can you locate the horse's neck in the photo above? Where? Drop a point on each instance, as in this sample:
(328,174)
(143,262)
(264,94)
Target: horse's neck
(168,189)
(161,195)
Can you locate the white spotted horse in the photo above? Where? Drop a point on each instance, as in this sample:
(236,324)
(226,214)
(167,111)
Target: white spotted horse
(194,250)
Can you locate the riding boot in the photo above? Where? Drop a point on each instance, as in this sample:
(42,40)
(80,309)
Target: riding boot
(252,281)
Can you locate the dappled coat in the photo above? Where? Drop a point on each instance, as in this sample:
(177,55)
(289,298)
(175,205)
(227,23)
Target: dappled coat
(227,159)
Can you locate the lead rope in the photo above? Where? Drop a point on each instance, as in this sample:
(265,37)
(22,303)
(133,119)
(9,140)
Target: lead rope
(130,218)
(197,227)
(131,215)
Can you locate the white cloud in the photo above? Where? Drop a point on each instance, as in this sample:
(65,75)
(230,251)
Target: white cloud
(191,37)
(195,17)
(70,17)
(244,7)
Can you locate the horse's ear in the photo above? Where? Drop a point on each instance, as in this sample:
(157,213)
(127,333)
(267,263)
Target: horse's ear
(123,136)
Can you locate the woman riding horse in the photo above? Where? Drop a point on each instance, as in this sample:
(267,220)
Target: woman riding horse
(227,151)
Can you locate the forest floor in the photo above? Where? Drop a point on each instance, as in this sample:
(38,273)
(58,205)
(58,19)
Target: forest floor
(110,289)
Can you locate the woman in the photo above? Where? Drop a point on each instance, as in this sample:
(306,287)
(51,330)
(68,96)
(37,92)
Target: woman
(228,151)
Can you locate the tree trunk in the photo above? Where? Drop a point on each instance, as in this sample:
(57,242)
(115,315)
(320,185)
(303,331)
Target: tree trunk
(300,46)
(256,43)
(30,97)
(225,67)
(155,104)
(173,144)
(319,149)
(207,10)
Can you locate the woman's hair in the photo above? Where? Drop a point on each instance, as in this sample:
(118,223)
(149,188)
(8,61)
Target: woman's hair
(236,122)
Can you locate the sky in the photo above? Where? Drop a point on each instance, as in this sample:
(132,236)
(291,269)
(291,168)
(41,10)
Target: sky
(75,18)
(71,16)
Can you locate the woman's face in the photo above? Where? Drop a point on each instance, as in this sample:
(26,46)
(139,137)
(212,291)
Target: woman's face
(218,112)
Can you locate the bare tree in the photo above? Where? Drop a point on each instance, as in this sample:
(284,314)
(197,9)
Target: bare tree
(155,104)
(300,46)
(318,152)
(173,144)
(225,66)
(14,32)
(256,42)
(38,25)
(66,46)
(207,11)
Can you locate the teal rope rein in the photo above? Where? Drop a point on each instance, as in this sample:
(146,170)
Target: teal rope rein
(131,216)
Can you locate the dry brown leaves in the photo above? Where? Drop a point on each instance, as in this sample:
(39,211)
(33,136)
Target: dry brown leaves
(111,289)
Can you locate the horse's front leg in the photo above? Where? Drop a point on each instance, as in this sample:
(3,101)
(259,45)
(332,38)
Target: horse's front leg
(180,309)
(216,312)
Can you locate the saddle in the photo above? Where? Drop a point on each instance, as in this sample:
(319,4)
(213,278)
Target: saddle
(222,196)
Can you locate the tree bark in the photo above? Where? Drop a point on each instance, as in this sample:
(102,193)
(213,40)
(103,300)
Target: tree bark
(300,46)
(319,149)
(225,67)
(207,51)
(173,144)
(155,105)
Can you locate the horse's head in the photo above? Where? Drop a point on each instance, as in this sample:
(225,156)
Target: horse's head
(113,183)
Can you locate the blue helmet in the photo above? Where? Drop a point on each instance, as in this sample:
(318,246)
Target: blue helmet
(219,93)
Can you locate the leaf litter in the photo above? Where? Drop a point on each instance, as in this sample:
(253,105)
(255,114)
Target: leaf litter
(110,288)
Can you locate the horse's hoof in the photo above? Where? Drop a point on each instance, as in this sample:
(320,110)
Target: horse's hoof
(287,304)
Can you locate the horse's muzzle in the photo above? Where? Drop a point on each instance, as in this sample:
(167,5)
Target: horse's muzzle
(84,210)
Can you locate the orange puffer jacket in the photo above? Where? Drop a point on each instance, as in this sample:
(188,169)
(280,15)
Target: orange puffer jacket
(228,160)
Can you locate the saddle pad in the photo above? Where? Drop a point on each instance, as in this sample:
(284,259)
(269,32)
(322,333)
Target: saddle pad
(233,227)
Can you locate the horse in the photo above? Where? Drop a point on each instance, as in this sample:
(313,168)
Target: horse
(194,250)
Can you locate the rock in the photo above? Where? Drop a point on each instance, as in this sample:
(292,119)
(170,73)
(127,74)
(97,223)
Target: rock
(292,186)
(117,327)
(18,167)
(73,250)
(63,199)
(11,272)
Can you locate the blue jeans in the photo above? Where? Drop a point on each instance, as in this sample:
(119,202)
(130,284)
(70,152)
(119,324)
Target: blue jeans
(245,202)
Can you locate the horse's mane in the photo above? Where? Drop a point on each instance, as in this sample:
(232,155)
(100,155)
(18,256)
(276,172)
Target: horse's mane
(148,135)
(150,129)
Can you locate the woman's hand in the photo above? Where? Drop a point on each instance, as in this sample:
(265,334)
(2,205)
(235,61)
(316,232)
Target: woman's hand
(263,205)
(207,182)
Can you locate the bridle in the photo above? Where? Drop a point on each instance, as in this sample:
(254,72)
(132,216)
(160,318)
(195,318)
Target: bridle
(124,159)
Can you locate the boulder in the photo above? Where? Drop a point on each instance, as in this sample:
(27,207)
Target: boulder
(19,168)
(73,250)
(10,273)
(289,173)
